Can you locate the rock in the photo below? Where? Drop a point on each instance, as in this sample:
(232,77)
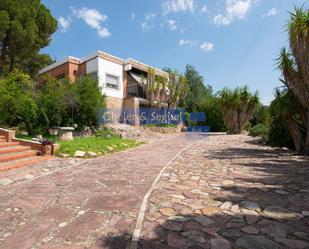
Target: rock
(167,211)
(172,225)
(293,243)
(5,181)
(231,233)
(181,197)
(174,240)
(278,213)
(305,213)
(235,208)
(178,218)
(209,211)
(302,235)
(81,212)
(28,176)
(152,216)
(226,205)
(195,235)
(250,205)
(282,192)
(64,155)
(250,230)
(256,242)
(220,243)
(79,154)
(109,148)
(204,221)
(92,154)
(63,224)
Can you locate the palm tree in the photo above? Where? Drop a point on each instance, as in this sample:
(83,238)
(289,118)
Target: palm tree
(237,106)
(294,64)
(286,107)
(178,88)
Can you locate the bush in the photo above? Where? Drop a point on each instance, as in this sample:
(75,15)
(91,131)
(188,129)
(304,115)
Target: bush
(260,130)
(17,102)
(53,103)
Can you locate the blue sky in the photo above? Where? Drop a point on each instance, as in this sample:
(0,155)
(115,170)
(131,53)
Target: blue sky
(230,42)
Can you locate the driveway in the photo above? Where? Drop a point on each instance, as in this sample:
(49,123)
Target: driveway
(69,204)
(221,192)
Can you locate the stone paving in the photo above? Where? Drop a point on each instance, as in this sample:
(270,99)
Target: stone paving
(223,192)
(79,206)
(227,192)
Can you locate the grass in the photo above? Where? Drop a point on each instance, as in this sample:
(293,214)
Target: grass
(98,144)
(161,125)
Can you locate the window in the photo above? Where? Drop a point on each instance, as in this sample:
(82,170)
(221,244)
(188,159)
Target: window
(93,75)
(112,81)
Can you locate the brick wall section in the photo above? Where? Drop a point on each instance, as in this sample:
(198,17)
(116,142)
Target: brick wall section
(71,70)
(7,134)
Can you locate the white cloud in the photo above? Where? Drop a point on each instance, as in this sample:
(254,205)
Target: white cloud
(172,25)
(207,46)
(177,6)
(64,23)
(272,12)
(205,9)
(234,9)
(94,19)
(147,24)
(183,42)
(150,16)
(104,32)
(132,16)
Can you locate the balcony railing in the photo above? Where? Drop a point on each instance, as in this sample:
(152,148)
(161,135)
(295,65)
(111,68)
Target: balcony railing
(136,91)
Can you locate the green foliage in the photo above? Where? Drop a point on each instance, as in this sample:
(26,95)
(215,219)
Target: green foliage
(87,99)
(260,130)
(197,93)
(291,104)
(17,102)
(237,106)
(99,145)
(54,103)
(214,118)
(25,27)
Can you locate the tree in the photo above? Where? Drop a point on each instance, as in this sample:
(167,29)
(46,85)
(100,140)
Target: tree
(197,90)
(237,106)
(294,65)
(25,27)
(286,107)
(17,102)
(88,100)
(51,102)
(178,88)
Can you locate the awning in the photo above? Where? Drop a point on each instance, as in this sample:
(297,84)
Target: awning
(141,80)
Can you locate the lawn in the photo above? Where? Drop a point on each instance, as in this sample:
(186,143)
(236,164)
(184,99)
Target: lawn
(100,144)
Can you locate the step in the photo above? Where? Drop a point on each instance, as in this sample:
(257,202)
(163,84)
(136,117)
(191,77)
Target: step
(2,140)
(18,163)
(7,144)
(17,155)
(13,149)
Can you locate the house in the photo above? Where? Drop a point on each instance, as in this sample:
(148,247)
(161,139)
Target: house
(122,81)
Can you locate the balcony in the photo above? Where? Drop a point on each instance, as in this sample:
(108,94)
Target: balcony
(136,91)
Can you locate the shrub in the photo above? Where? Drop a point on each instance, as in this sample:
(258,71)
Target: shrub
(260,130)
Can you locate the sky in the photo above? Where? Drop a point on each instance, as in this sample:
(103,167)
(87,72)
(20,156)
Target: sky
(229,42)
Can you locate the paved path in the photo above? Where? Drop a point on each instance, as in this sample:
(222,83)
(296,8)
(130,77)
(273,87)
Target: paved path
(79,206)
(227,192)
(223,192)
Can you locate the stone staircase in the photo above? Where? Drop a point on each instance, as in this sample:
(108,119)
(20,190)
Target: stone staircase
(13,155)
